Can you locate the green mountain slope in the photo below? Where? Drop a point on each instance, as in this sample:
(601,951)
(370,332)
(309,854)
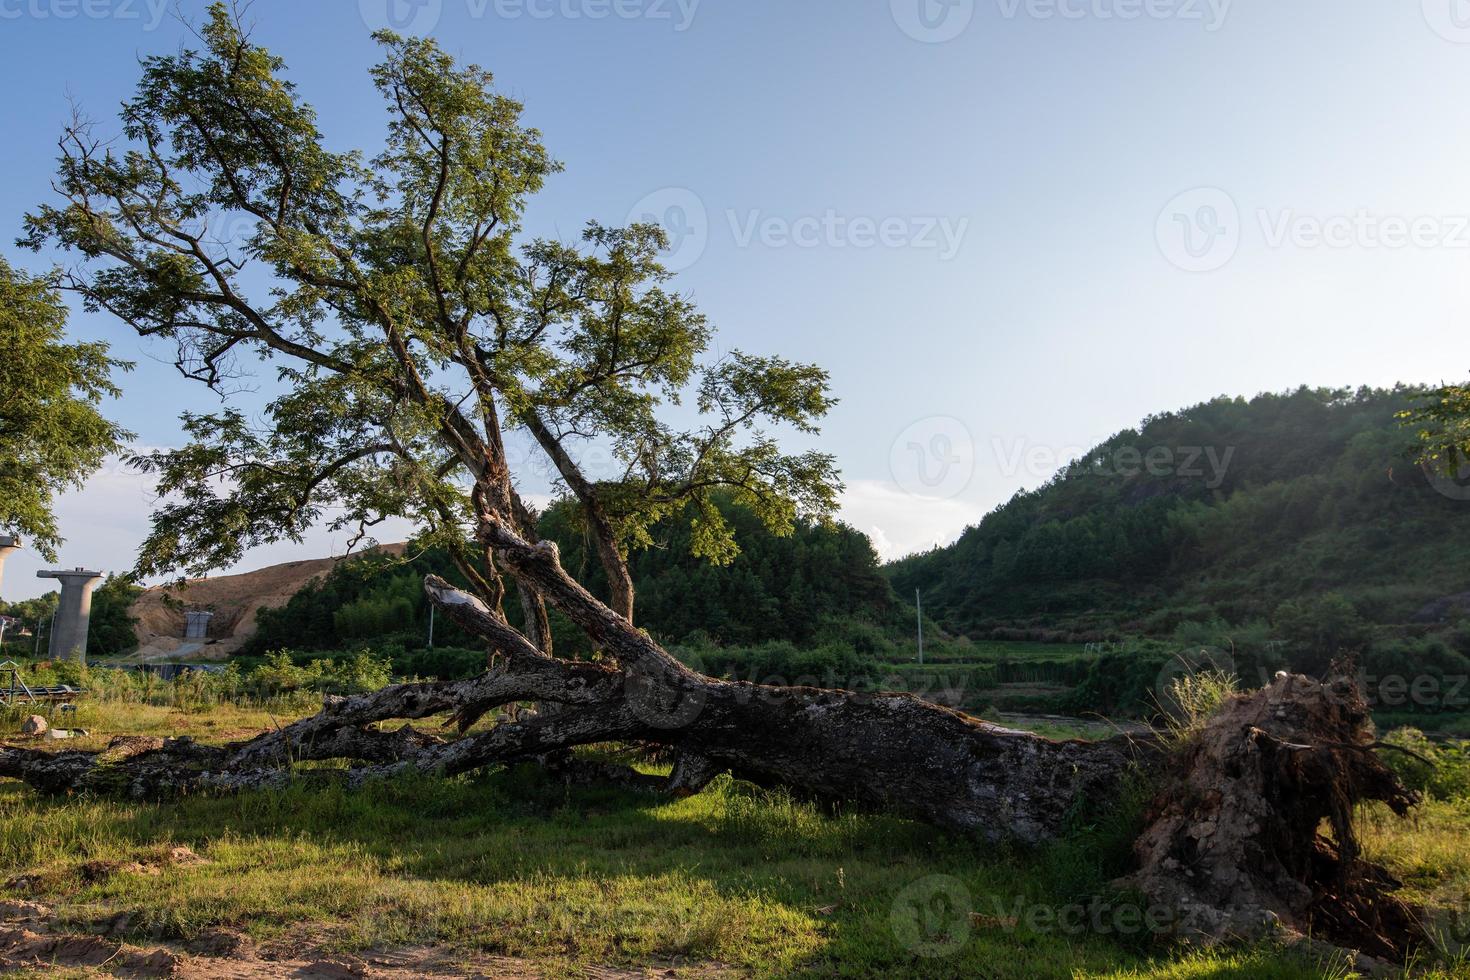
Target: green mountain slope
(1224,511)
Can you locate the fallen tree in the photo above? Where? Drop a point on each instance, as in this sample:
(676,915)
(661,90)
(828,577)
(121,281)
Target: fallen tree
(1231,844)
(412,331)
(881,749)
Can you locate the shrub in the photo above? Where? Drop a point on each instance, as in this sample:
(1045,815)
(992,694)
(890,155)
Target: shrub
(1424,675)
(1443,773)
(1120,684)
(1320,630)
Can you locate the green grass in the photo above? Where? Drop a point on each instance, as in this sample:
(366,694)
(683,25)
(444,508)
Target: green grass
(104,718)
(991,651)
(515,863)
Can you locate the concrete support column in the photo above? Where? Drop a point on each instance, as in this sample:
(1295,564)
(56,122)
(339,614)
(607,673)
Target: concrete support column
(196,624)
(8,544)
(69,636)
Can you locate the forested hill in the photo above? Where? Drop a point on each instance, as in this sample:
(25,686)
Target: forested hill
(1222,511)
(805,587)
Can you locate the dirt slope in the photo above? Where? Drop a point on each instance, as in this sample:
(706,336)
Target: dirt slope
(234,600)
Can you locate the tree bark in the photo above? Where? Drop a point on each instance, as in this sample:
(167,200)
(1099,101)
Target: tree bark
(887,750)
(605,538)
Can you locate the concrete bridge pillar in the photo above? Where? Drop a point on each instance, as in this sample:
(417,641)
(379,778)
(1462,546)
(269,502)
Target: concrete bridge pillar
(69,635)
(196,624)
(8,543)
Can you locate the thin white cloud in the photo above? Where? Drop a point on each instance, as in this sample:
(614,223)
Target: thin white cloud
(900,523)
(106,521)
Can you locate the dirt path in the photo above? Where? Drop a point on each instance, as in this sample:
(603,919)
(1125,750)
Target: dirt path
(28,945)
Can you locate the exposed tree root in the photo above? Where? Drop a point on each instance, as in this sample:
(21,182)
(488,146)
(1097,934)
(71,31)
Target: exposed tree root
(1234,839)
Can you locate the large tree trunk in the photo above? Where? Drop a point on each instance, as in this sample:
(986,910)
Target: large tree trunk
(1235,830)
(888,750)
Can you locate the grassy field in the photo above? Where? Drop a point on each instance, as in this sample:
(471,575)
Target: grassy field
(734,880)
(992,651)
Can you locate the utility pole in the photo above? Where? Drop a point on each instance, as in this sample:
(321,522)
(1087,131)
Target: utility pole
(919,610)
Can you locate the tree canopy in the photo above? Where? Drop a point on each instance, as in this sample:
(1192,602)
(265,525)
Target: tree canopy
(408,323)
(1441,420)
(52,433)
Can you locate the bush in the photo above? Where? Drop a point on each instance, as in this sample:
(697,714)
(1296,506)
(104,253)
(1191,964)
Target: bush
(441,663)
(1320,630)
(1445,775)
(1419,676)
(358,674)
(1120,684)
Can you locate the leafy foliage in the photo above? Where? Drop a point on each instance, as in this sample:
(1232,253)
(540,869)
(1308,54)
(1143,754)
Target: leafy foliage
(821,584)
(52,436)
(1441,771)
(110,630)
(356,674)
(1442,421)
(32,613)
(797,587)
(407,319)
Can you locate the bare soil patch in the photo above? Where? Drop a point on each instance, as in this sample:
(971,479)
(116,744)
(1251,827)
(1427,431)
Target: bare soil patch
(234,600)
(28,943)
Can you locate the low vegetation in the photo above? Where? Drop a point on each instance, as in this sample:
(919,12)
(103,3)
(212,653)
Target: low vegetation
(517,863)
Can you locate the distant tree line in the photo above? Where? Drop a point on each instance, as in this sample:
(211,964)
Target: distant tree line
(821,582)
(110,630)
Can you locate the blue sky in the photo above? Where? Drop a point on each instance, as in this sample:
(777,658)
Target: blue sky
(1007,227)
